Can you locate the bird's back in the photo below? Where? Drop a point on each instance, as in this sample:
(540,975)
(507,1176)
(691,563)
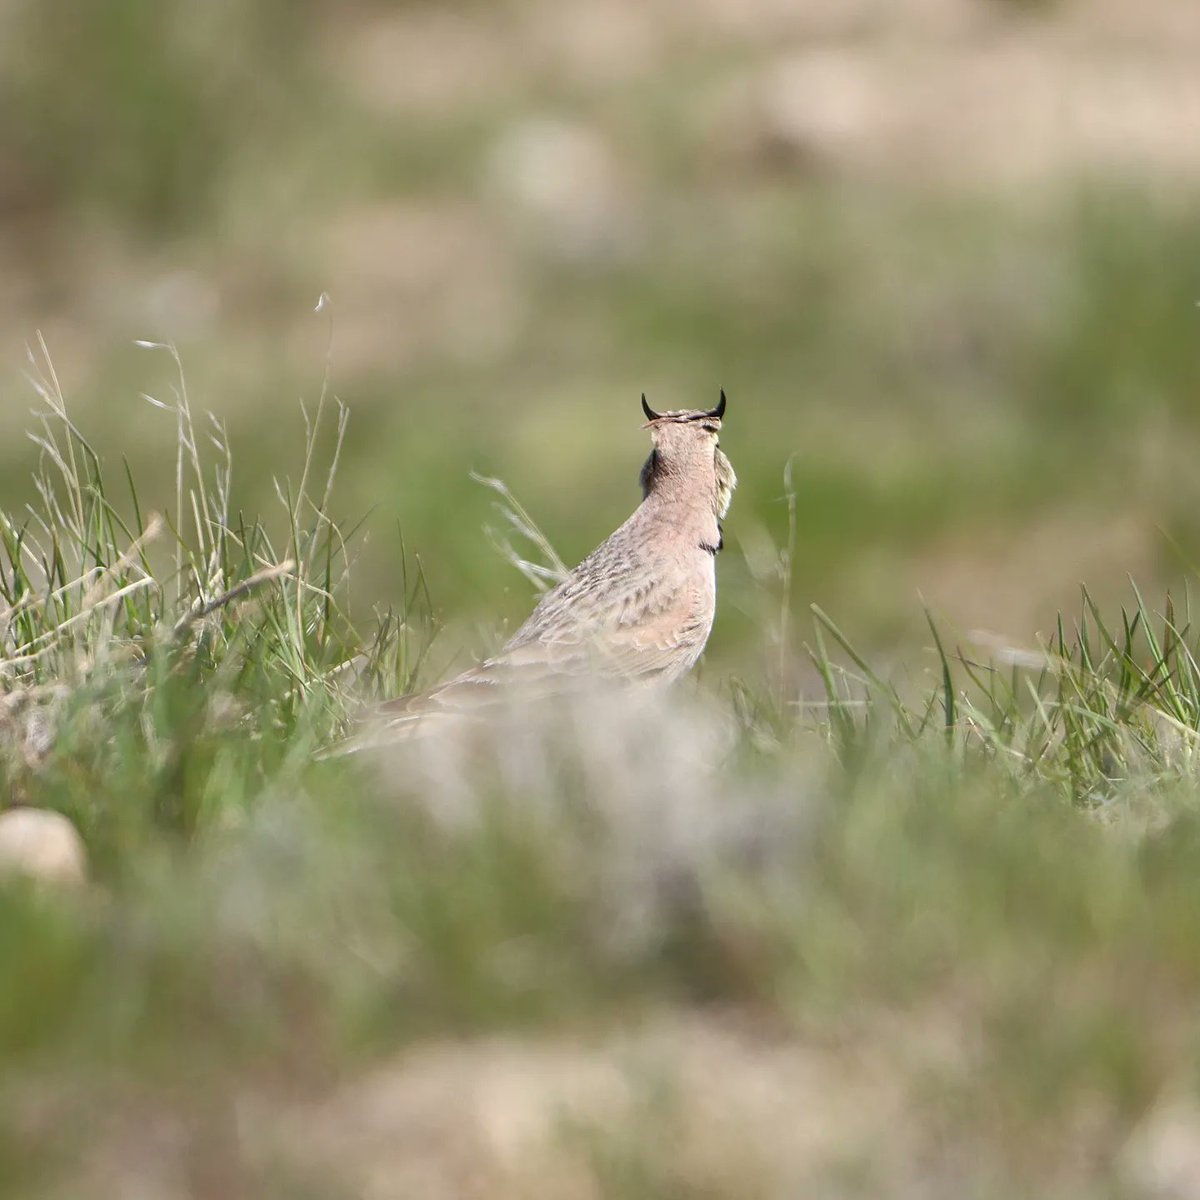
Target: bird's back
(639,606)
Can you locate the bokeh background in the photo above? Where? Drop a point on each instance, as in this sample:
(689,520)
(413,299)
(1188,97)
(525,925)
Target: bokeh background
(944,255)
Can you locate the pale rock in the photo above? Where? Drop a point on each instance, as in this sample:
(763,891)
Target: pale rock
(1161,1159)
(43,845)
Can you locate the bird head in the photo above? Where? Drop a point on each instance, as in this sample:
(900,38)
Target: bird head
(687,450)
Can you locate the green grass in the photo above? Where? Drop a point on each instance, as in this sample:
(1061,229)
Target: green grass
(868,909)
(979,879)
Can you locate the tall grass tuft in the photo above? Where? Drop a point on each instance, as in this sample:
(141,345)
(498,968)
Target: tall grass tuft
(1100,704)
(134,643)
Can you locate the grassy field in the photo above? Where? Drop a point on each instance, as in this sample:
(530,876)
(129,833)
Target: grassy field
(983,372)
(926,936)
(896,897)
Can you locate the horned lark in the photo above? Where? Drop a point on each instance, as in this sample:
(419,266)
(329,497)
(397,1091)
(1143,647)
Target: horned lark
(640,606)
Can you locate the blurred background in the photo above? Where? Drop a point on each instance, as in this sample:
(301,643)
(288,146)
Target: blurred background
(944,255)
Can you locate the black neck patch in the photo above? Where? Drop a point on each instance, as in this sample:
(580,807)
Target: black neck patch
(651,469)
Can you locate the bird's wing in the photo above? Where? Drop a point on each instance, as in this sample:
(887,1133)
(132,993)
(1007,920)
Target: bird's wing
(606,621)
(636,627)
(650,628)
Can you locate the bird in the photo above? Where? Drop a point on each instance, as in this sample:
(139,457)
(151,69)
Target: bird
(638,609)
